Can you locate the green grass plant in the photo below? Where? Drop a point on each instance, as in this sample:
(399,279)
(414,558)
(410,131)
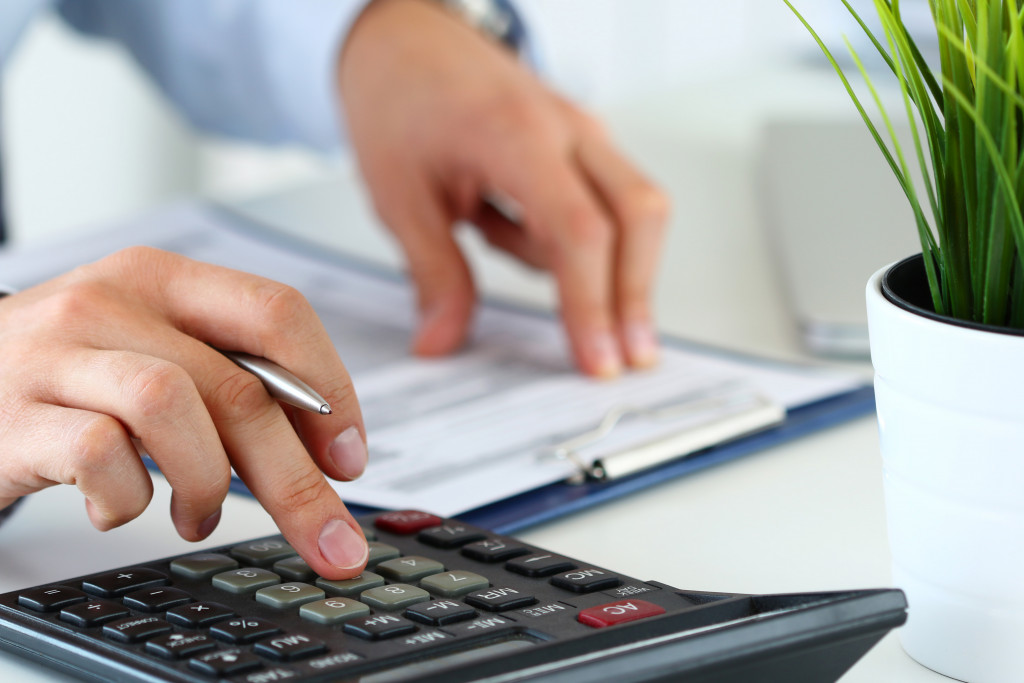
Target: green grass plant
(965,122)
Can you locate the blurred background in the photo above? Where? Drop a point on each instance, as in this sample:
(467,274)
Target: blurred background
(727,104)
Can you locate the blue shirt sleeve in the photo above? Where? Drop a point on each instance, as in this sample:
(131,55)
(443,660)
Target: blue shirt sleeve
(263,70)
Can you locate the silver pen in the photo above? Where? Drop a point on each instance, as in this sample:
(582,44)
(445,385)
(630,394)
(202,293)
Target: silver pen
(281,384)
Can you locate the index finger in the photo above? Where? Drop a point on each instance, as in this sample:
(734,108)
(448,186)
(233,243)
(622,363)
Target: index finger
(238,311)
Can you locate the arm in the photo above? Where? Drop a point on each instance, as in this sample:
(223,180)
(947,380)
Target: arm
(440,119)
(261,70)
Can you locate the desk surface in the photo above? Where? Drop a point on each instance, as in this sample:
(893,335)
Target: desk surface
(805,516)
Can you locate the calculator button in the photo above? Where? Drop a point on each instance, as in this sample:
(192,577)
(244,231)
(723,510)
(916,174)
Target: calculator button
(455,583)
(288,595)
(394,597)
(243,630)
(493,550)
(491,625)
(245,580)
(450,535)
(380,627)
(333,610)
(93,613)
(262,553)
(440,612)
(350,587)
(333,663)
(379,552)
(289,647)
(180,645)
(198,614)
(135,629)
(225,662)
(630,589)
(539,564)
(368,533)
(542,610)
(158,599)
(202,565)
(499,599)
(586,580)
(113,584)
(408,569)
(50,598)
(406,522)
(618,613)
(294,569)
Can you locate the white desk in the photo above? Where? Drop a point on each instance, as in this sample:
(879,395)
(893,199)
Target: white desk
(802,517)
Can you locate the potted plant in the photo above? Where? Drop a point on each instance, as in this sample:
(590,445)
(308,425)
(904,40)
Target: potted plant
(947,335)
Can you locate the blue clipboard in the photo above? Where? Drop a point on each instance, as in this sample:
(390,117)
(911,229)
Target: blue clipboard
(556,500)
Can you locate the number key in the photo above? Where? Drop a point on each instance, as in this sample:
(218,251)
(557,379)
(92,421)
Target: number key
(408,569)
(394,597)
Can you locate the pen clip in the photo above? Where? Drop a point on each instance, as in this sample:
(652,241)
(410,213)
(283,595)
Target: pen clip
(734,415)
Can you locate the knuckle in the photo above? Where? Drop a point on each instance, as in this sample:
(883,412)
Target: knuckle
(98,446)
(160,388)
(589,125)
(283,307)
(241,394)
(645,207)
(80,300)
(303,488)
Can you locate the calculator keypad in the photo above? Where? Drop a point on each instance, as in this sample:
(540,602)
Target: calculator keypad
(256,610)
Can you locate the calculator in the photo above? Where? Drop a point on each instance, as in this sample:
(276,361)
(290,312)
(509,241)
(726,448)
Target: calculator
(440,600)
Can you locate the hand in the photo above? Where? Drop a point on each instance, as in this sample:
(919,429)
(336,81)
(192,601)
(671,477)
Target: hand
(440,119)
(117,351)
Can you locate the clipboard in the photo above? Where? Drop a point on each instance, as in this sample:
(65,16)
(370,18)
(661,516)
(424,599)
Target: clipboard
(756,423)
(584,491)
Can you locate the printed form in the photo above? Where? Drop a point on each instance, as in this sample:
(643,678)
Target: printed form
(453,434)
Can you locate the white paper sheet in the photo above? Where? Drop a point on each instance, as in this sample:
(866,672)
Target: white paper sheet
(450,434)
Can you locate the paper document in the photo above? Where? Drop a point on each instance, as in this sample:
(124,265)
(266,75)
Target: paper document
(453,434)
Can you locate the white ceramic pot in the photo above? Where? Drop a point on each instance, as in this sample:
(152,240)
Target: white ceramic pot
(951,421)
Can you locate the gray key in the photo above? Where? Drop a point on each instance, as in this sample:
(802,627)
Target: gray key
(351,587)
(289,595)
(394,597)
(262,553)
(408,569)
(245,580)
(294,569)
(202,565)
(380,552)
(454,583)
(333,610)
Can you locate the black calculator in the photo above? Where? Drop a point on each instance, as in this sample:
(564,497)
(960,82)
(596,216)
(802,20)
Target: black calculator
(440,600)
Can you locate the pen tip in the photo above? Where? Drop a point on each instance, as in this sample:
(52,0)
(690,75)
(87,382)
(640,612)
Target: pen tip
(325,409)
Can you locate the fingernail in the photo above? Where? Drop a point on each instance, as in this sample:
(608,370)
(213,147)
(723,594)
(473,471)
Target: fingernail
(642,344)
(209,524)
(348,452)
(341,545)
(604,350)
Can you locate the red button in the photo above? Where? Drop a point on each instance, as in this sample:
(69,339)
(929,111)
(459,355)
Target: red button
(406,521)
(618,613)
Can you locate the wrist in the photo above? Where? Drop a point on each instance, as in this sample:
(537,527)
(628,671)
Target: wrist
(495,19)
